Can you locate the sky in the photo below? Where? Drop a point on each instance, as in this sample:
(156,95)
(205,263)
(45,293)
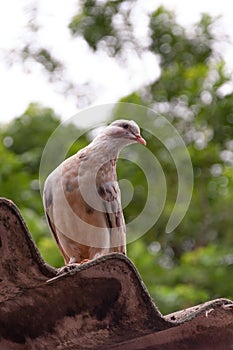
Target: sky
(20,86)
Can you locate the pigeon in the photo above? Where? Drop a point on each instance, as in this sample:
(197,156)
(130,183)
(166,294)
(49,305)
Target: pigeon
(82,199)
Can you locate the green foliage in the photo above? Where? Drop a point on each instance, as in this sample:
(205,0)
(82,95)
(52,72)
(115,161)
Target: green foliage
(40,55)
(105,25)
(193,263)
(95,22)
(22,144)
(27,135)
(175,46)
(199,274)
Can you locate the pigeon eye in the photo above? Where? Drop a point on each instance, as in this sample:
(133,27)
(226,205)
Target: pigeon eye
(125,126)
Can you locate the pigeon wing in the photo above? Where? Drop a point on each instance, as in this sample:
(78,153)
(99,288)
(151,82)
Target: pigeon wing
(114,218)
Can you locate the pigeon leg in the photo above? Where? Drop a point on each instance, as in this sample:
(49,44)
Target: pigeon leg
(84,261)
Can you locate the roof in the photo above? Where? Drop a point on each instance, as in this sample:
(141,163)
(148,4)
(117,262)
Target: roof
(101,304)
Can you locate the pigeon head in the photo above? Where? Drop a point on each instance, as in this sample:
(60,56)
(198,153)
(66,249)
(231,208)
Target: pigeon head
(125,131)
(116,136)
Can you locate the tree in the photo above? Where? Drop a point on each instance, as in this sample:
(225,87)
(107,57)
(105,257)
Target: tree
(23,142)
(193,263)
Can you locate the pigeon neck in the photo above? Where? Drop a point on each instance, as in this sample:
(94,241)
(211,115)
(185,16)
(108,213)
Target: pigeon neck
(103,160)
(106,149)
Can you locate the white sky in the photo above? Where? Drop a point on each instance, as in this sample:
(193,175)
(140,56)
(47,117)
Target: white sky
(19,88)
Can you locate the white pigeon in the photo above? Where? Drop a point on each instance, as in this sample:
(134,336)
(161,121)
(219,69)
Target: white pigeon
(82,198)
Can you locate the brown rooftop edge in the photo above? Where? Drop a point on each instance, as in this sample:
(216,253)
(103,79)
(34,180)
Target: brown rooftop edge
(101,305)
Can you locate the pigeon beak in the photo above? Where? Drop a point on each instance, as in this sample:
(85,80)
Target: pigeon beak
(140,139)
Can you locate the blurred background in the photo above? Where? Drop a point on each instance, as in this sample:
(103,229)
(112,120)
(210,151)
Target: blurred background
(59,57)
